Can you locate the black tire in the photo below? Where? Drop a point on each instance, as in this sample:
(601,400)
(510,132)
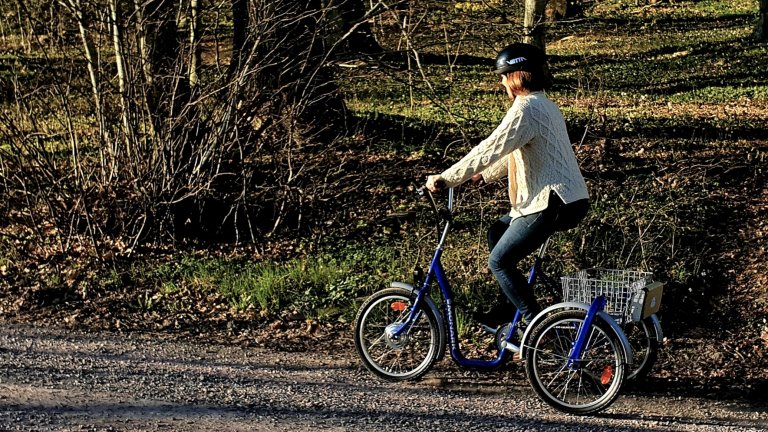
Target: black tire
(405,358)
(589,388)
(645,347)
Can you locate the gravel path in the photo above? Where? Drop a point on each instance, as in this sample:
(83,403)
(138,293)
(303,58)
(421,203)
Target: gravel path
(61,380)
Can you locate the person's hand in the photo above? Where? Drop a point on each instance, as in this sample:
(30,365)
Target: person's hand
(435,183)
(477,179)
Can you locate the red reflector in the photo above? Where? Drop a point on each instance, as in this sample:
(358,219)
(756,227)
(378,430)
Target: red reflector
(605,378)
(399,306)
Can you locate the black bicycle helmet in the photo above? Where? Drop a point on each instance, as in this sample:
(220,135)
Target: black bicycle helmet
(519,57)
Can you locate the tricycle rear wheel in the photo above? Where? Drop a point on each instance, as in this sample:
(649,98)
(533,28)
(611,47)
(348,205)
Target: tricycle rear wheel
(645,347)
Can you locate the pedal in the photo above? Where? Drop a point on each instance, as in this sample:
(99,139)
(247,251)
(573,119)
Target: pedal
(509,346)
(489,330)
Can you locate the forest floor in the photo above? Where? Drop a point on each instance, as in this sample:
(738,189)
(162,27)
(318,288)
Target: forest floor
(667,106)
(57,379)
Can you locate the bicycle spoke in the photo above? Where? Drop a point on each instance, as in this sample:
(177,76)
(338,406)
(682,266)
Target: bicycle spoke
(564,387)
(401,357)
(376,341)
(584,385)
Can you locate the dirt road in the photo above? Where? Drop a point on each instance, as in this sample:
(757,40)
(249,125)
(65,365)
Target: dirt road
(61,380)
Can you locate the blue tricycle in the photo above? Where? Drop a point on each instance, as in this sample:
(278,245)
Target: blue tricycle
(576,353)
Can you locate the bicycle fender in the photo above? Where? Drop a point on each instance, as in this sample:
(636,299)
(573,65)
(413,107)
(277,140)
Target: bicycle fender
(543,314)
(439,316)
(657,327)
(403,285)
(628,353)
(625,346)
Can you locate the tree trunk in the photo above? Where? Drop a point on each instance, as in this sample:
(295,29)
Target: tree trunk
(762,25)
(92,64)
(168,87)
(194,42)
(26,36)
(121,78)
(141,40)
(534,23)
(240,22)
(291,59)
(356,29)
(91,59)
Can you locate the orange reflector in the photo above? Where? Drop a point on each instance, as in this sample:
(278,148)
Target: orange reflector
(399,306)
(605,378)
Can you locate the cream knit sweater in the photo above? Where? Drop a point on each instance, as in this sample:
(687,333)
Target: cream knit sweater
(533,133)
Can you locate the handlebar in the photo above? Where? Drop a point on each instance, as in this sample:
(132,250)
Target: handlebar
(445,214)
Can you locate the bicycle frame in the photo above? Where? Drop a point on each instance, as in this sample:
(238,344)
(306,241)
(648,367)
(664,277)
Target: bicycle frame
(437,274)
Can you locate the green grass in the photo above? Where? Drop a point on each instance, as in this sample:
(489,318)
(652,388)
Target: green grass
(324,285)
(692,51)
(674,10)
(329,283)
(722,94)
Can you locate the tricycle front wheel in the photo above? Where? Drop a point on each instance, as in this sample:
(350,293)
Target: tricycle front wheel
(407,356)
(588,385)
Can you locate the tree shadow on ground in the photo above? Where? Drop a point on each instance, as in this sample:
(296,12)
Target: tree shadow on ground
(644,24)
(402,60)
(728,388)
(673,69)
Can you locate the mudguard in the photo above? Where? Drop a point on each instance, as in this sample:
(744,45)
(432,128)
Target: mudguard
(657,327)
(430,304)
(626,347)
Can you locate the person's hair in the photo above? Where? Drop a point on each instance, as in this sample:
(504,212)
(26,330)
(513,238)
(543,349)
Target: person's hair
(524,81)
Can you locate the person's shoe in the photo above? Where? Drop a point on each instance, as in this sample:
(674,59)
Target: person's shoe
(498,315)
(519,333)
(522,325)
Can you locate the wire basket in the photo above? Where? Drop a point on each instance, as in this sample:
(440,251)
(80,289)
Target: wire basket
(623,289)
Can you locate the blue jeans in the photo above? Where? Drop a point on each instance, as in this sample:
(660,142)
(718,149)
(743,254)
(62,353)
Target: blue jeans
(511,240)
